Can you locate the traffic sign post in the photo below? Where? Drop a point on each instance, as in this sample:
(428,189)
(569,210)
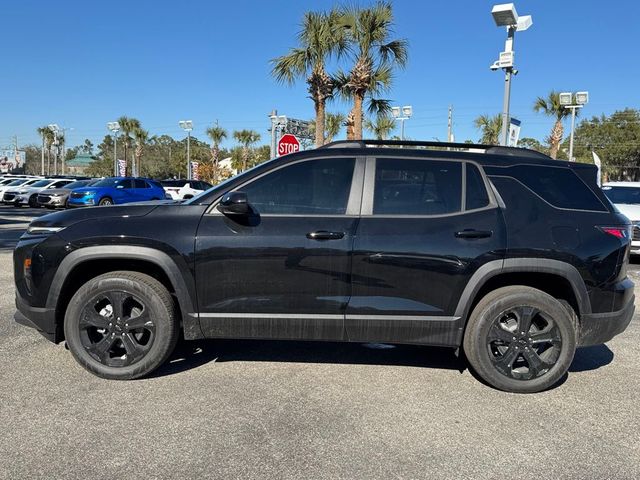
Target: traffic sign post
(288,144)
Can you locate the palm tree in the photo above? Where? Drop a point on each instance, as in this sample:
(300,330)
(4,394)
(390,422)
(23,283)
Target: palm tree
(551,107)
(320,38)
(381,127)
(375,56)
(127,127)
(217,134)
(333,124)
(247,138)
(490,127)
(140,137)
(47,140)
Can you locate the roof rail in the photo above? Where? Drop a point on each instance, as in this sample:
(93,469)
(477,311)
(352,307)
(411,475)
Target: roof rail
(495,149)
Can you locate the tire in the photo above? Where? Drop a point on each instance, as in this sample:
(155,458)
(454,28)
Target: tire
(106,344)
(105,201)
(33,201)
(509,360)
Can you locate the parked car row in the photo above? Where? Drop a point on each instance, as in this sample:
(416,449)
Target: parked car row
(68,192)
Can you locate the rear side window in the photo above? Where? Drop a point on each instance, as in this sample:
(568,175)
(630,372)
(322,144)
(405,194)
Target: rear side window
(311,187)
(417,187)
(140,183)
(559,186)
(477,196)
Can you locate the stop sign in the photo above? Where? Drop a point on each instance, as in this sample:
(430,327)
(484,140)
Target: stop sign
(288,144)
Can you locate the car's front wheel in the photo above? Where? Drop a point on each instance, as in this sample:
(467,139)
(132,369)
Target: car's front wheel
(105,201)
(121,325)
(520,339)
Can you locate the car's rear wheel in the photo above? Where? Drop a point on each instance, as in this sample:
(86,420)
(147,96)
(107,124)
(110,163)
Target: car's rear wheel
(121,325)
(105,201)
(520,339)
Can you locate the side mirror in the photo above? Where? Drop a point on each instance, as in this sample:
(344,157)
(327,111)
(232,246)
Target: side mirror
(234,203)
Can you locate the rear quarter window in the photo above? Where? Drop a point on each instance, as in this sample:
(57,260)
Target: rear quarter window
(559,186)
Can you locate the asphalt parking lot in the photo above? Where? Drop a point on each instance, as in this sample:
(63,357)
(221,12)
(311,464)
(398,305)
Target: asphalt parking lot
(251,409)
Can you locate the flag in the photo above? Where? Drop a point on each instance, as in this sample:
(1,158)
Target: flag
(598,163)
(122,167)
(514,132)
(194,171)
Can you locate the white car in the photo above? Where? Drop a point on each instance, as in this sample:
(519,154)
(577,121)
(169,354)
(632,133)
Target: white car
(28,194)
(184,189)
(626,197)
(16,183)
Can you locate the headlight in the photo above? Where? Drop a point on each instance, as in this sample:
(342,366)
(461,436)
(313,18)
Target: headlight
(23,191)
(89,194)
(43,230)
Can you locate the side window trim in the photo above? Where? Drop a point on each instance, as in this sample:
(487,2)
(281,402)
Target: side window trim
(369,187)
(354,201)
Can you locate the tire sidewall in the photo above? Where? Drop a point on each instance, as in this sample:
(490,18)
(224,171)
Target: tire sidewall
(163,320)
(489,309)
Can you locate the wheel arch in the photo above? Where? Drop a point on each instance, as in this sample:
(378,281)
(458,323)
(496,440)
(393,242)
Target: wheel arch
(559,279)
(88,262)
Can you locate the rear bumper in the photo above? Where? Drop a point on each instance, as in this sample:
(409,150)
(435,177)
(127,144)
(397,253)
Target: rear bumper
(42,319)
(597,328)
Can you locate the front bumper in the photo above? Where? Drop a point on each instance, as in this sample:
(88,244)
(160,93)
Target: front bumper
(597,328)
(52,201)
(82,202)
(42,319)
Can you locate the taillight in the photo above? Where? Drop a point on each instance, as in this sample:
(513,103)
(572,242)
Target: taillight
(618,232)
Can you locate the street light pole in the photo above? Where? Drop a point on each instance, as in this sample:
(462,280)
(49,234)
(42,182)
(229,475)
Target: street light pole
(187,126)
(508,71)
(402,114)
(573,102)
(505,15)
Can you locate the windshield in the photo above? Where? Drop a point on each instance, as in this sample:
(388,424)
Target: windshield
(78,184)
(110,182)
(41,183)
(626,195)
(221,186)
(20,181)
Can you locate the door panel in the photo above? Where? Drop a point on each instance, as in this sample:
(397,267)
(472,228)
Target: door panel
(409,271)
(283,271)
(268,280)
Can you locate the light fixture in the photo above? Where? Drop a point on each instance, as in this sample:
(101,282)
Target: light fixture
(186,125)
(582,98)
(407,110)
(566,98)
(505,15)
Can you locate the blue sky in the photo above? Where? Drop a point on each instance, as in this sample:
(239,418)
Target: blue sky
(82,63)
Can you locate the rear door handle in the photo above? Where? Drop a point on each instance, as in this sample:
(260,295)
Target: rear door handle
(325,235)
(474,233)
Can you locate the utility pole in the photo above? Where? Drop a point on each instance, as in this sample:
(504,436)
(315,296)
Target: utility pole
(450,124)
(278,123)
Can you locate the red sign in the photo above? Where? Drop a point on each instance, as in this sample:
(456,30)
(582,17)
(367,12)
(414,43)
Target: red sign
(288,144)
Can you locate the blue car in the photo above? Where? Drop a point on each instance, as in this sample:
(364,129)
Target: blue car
(116,190)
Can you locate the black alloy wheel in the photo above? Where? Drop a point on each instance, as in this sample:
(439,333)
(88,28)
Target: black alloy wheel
(524,343)
(116,328)
(121,325)
(521,339)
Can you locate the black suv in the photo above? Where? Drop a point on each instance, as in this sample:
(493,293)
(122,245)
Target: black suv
(513,257)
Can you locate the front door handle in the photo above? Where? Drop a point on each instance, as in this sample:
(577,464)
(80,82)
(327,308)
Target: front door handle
(469,233)
(325,235)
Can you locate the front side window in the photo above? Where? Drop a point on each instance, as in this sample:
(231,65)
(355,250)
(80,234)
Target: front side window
(315,187)
(417,187)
